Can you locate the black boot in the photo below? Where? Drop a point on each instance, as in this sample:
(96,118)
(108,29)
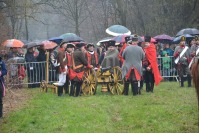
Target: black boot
(147,87)
(1,108)
(189,80)
(60,90)
(182,82)
(126,88)
(72,88)
(134,86)
(151,87)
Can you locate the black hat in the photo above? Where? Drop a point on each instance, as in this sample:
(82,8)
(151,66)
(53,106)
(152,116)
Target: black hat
(62,43)
(80,44)
(135,38)
(89,44)
(70,45)
(110,43)
(196,38)
(147,39)
(183,38)
(127,39)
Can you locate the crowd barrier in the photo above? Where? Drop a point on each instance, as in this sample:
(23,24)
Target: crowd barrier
(31,74)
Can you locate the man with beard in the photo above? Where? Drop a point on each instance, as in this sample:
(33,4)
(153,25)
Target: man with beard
(132,67)
(182,57)
(111,55)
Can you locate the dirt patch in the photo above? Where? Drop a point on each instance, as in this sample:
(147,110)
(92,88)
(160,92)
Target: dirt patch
(15,99)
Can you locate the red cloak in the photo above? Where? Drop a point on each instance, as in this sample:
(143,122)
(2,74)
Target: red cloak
(150,52)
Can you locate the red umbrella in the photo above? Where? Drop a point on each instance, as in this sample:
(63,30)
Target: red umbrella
(13,43)
(48,45)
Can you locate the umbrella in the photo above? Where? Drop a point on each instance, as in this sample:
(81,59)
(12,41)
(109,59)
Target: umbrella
(120,38)
(163,37)
(32,44)
(71,37)
(116,30)
(104,40)
(57,40)
(16,60)
(48,45)
(177,39)
(13,43)
(191,31)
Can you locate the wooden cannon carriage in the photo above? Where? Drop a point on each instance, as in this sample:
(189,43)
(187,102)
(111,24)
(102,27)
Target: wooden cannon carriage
(109,78)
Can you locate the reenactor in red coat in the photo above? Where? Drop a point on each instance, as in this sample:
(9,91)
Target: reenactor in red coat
(76,72)
(92,55)
(69,50)
(62,68)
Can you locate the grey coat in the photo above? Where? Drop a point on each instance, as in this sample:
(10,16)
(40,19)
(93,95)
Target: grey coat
(133,56)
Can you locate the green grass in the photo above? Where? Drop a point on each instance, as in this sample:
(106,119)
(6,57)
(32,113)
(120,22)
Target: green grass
(170,109)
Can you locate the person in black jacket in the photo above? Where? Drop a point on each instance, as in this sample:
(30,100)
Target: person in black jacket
(3,72)
(31,67)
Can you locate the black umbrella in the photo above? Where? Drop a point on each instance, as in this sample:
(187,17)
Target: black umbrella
(71,37)
(191,31)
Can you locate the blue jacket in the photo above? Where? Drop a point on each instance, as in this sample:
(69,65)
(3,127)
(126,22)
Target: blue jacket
(3,70)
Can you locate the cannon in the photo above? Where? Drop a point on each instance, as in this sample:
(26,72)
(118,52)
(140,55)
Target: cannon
(110,79)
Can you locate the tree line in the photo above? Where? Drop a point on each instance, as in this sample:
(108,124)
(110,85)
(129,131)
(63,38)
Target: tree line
(151,17)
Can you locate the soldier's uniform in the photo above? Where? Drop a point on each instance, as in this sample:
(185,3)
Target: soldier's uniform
(92,56)
(69,50)
(183,63)
(127,38)
(132,67)
(77,70)
(194,48)
(62,68)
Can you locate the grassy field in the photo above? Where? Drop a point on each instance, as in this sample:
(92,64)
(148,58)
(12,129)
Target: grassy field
(170,109)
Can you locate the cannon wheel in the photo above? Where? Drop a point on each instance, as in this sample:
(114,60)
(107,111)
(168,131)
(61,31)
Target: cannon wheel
(116,86)
(89,85)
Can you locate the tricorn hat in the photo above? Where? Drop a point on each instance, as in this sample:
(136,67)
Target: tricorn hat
(135,38)
(80,44)
(127,38)
(70,45)
(62,43)
(183,38)
(110,43)
(89,44)
(147,39)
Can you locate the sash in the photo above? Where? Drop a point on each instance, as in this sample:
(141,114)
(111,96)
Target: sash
(193,58)
(181,54)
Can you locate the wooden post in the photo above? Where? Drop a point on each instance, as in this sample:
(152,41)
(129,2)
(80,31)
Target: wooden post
(47,67)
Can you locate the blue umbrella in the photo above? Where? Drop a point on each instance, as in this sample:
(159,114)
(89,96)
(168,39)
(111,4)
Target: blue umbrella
(116,30)
(188,38)
(57,40)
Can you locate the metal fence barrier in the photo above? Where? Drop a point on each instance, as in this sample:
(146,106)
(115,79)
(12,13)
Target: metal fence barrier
(32,73)
(29,73)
